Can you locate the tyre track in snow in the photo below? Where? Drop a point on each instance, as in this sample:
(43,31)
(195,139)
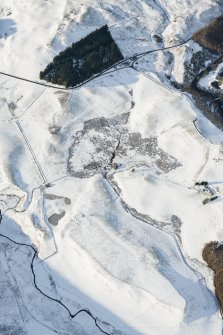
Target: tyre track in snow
(133,212)
(31,151)
(20,128)
(162,9)
(33,102)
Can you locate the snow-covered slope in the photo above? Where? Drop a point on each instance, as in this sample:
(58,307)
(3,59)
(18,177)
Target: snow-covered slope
(102,228)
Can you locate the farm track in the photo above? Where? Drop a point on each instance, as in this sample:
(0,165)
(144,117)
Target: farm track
(113,68)
(131,211)
(104,72)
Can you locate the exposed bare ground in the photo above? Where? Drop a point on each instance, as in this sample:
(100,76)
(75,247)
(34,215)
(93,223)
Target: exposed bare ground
(213,255)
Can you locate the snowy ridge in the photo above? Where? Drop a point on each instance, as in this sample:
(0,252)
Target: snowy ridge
(97,183)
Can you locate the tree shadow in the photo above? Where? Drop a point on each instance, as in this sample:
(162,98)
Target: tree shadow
(7,28)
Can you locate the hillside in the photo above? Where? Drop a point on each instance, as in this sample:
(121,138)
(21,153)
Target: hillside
(83,59)
(213,255)
(109,190)
(211,36)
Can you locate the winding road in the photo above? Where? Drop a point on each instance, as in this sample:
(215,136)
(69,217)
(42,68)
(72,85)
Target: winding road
(133,212)
(133,58)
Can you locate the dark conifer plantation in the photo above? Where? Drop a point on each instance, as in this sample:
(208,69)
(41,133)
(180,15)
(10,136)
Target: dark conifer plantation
(85,58)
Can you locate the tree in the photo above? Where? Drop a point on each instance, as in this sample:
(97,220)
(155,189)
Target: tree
(83,59)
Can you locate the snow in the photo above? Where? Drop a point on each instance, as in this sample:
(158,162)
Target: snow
(206,80)
(188,16)
(128,247)
(155,113)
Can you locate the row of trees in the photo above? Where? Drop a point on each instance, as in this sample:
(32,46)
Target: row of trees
(85,58)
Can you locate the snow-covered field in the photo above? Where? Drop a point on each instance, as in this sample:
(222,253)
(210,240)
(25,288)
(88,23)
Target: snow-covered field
(100,180)
(206,80)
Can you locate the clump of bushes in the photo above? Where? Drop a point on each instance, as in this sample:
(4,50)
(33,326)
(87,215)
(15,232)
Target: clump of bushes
(211,36)
(83,59)
(215,84)
(213,256)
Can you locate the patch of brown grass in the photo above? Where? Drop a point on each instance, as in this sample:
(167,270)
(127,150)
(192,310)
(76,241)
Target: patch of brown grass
(211,36)
(213,255)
